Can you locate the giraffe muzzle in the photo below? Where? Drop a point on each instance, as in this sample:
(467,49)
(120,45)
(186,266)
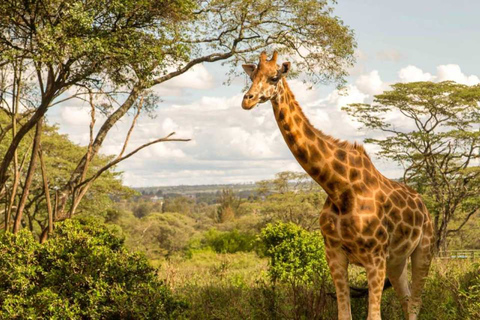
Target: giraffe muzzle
(249,101)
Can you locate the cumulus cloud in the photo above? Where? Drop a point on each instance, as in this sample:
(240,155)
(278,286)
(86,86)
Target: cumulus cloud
(75,116)
(370,83)
(341,98)
(197,77)
(454,73)
(445,72)
(413,74)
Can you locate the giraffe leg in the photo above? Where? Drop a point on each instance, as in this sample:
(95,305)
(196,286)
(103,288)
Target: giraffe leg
(376,278)
(397,274)
(421,259)
(338,264)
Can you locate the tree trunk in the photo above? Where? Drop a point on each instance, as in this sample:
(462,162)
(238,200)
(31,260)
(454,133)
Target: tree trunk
(29,178)
(37,116)
(46,191)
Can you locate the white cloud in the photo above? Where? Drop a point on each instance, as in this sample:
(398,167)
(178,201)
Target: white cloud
(342,98)
(451,72)
(76,116)
(197,77)
(454,73)
(413,74)
(302,92)
(370,83)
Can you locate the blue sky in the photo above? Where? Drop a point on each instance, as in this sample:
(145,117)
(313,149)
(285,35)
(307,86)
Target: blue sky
(397,41)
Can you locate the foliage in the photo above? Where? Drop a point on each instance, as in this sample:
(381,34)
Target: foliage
(228,207)
(469,292)
(61,156)
(141,210)
(82,272)
(157,234)
(182,205)
(309,29)
(296,255)
(435,137)
(88,37)
(230,241)
(303,209)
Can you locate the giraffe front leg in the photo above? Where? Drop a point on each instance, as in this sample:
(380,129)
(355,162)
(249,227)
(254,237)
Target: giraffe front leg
(338,264)
(376,278)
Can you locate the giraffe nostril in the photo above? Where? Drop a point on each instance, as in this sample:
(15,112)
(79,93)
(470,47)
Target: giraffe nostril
(248,96)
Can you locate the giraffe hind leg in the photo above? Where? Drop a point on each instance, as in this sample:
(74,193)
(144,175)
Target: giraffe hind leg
(397,273)
(421,260)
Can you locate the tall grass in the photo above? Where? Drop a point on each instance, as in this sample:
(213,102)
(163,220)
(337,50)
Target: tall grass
(236,286)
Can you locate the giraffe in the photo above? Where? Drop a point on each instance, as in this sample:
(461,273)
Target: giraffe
(367,219)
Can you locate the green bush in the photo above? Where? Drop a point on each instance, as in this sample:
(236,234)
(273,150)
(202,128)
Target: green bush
(82,272)
(452,291)
(229,241)
(296,255)
(469,292)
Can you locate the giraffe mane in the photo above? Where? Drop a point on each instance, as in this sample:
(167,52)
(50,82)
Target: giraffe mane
(348,145)
(344,144)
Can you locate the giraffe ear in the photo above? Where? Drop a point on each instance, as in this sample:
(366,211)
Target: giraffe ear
(249,69)
(285,68)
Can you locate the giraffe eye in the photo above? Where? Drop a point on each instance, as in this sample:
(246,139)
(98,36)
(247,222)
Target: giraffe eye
(274,79)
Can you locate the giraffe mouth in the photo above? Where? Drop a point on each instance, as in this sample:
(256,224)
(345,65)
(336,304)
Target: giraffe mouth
(249,104)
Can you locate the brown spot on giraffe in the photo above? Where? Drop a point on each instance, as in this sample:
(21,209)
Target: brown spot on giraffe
(340,168)
(354,175)
(297,119)
(314,153)
(341,155)
(367,219)
(308,131)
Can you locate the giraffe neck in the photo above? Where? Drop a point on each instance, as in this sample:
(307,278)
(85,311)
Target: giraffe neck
(319,154)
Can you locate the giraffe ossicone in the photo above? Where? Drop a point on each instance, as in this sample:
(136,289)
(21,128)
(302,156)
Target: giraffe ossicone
(367,219)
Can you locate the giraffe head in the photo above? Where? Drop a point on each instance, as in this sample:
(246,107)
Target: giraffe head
(265,77)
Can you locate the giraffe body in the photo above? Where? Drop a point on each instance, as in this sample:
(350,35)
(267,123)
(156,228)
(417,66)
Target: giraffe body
(367,219)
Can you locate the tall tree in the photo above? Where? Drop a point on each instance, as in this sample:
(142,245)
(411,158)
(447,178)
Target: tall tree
(433,131)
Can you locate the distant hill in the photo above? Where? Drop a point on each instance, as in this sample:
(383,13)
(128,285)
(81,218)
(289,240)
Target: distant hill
(196,189)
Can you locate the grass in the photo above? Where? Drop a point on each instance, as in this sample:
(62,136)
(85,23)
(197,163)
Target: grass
(236,286)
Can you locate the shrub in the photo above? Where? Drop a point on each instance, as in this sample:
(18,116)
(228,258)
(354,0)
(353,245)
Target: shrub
(296,255)
(230,241)
(82,272)
(469,292)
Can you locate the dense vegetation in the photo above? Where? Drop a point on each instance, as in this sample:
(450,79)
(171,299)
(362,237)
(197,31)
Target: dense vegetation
(226,270)
(83,271)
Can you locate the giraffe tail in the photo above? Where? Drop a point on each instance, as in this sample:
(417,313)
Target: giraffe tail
(356,292)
